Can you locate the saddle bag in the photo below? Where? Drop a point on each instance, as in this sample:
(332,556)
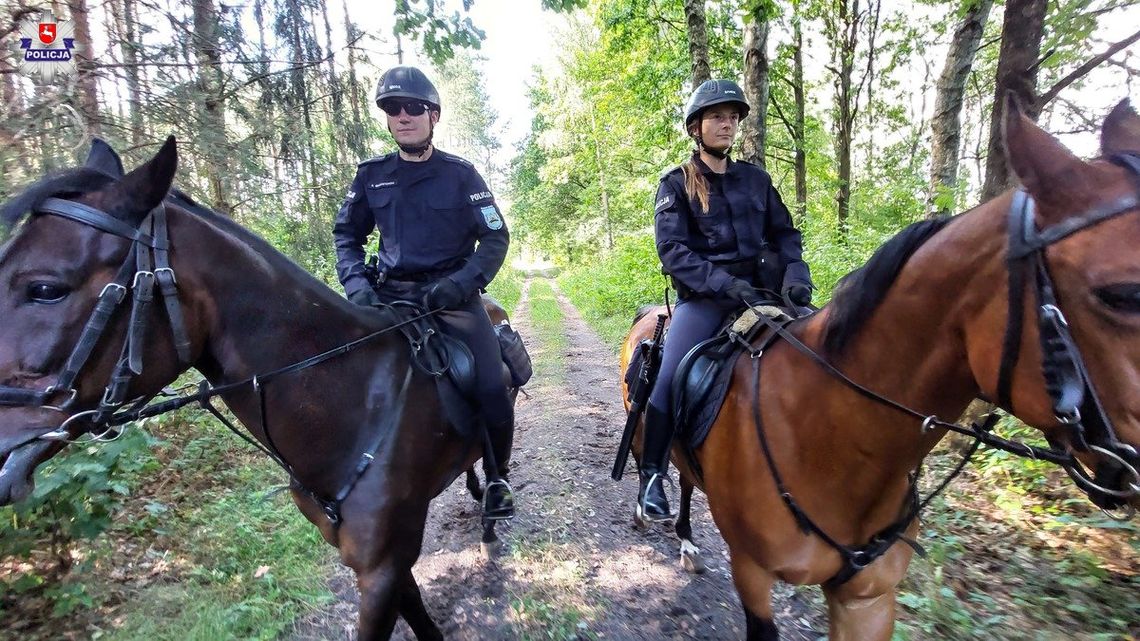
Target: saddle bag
(514,354)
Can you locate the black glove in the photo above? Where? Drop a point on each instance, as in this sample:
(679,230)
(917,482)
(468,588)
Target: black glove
(366,297)
(444,293)
(742,292)
(799,295)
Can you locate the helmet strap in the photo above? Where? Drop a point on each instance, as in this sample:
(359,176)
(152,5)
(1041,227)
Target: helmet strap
(715,153)
(417,150)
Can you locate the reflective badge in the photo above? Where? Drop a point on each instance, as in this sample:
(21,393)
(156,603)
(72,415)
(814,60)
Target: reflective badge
(351,195)
(492,217)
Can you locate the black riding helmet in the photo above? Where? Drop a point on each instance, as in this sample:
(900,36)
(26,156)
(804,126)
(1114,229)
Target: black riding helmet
(714,92)
(407,82)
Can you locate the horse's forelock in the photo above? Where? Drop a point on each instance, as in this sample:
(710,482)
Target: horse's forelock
(71,182)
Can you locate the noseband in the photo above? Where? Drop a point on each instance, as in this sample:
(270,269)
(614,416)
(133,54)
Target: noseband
(1076,404)
(147,262)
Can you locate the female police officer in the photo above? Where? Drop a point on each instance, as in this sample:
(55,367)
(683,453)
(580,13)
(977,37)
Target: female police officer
(442,239)
(720,226)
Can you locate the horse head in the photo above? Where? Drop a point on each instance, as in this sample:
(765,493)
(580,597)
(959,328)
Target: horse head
(71,254)
(1070,353)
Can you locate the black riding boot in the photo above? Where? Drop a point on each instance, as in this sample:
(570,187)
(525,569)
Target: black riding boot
(499,500)
(651,502)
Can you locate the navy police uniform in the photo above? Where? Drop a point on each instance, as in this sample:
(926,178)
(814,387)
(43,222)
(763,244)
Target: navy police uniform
(437,219)
(746,234)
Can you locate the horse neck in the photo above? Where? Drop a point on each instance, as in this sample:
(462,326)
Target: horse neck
(258,314)
(913,349)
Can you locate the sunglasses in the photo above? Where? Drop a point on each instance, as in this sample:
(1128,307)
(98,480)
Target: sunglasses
(410,107)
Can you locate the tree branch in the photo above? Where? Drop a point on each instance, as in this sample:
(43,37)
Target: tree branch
(1082,70)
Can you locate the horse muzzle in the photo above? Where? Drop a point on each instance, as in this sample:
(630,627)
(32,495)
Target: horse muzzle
(17,467)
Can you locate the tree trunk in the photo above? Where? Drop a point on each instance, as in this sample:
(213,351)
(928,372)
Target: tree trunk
(602,180)
(336,91)
(754,129)
(1016,72)
(843,32)
(123,14)
(356,93)
(212,134)
(798,123)
(87,82)
(698,41)
(946,124)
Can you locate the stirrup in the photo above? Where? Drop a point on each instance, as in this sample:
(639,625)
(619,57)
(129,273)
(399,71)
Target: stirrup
(502,514)
(642,513)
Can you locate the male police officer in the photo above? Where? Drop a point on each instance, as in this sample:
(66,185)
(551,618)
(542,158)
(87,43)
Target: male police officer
(442,240)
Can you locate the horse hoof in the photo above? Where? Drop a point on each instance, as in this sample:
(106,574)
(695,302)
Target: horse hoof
(640,523)
(691,559)
(490,549)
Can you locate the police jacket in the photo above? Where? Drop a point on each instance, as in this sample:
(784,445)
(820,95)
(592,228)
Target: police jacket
(437,218)
(745,218)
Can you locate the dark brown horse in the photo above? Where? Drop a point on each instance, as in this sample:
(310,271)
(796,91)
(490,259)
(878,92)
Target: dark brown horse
(808,474)
(361,430)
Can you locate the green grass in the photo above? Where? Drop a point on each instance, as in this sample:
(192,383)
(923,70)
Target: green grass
(546,322)
(242,561)
(507,288)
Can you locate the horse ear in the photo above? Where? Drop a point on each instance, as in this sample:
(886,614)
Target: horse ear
(144,188)
(103,158)
(1042,164)
(1121,130)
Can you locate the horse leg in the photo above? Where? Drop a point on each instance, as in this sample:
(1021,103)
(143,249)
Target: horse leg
(413,610)
(379,601)
(490,544)
(691,558)
(754,585)
(858,616)
(473,485)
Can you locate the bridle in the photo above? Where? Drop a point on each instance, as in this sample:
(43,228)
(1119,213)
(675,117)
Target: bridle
(1076,404)
(147,263)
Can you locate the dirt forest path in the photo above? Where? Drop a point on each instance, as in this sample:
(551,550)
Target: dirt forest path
(572,566)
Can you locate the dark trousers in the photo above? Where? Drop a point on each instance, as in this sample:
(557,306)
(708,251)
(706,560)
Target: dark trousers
(470,325)
(694,320)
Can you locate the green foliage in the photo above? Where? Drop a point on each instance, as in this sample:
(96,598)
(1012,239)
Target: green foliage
(77,495)
(507,287)
(546,320)
(610,289)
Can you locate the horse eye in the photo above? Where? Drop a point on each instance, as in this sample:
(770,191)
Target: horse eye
(47,293)
(1123,298)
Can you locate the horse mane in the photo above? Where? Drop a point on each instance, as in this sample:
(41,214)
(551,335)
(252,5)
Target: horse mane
(258,244)
(68,182)
(860,292)
(641,312)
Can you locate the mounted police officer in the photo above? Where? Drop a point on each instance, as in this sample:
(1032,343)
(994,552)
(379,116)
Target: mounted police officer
(726,239)
(442,239)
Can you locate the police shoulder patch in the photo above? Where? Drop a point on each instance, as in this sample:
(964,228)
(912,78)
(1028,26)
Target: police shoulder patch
(492,217)
(663,203)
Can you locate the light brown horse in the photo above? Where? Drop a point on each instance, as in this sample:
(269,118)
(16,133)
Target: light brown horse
(928,324)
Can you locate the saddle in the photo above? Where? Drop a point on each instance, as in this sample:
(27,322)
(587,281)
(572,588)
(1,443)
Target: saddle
(450,364)
(705,373)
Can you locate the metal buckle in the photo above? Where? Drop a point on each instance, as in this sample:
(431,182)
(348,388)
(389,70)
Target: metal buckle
(173,279)
(142,274)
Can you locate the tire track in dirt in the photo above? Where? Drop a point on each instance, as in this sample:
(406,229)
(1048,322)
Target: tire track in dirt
(573,566)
